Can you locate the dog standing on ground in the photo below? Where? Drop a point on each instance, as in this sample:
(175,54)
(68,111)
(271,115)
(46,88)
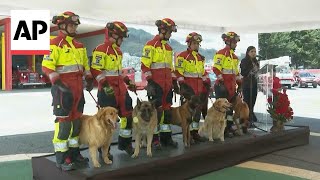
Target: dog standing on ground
(241,115)
(215,121)
(96,131)
(144,123)
(182,116)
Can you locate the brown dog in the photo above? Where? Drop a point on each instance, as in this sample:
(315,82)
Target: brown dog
(241,115)
(144,123)
(96,131)
(215,121)
(182,116)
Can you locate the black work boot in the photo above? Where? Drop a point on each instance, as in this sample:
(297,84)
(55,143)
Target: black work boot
(166,140)
(244,129)
(228,131)
(124,144)
(196,137)
(78,159)
(110,156)
(156,142)
(64,162)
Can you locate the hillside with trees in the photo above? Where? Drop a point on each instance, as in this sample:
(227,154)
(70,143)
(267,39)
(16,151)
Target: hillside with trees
(302,46)
(137,39)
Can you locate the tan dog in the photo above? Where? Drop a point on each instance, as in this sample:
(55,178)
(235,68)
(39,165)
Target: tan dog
(182,116)
(144,123)
(241,115)
(215,121)
(96,131)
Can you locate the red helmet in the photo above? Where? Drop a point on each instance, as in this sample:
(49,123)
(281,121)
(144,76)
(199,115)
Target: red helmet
(194,37)
(167,24)
(65,18)
(230,36)
(117,28)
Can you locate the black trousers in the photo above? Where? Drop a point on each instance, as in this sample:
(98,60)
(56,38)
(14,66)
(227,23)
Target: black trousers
(250,97)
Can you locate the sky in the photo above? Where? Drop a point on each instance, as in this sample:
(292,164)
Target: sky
(210,40)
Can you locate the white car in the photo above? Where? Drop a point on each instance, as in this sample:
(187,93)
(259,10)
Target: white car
(285,75)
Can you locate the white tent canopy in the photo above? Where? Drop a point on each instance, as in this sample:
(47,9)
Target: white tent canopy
(243,16)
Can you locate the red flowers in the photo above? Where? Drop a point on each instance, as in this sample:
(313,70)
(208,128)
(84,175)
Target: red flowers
(279,107)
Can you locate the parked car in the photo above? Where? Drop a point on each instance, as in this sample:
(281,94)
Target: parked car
(285,75)
(317,79)
(22,76)
(305,79)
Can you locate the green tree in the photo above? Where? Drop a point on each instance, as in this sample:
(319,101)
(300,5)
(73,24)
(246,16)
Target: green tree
(301,46)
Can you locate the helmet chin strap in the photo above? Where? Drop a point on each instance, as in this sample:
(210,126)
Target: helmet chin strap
(117,42)
(230,46)
(164,34)
(196,50)
(66,30)
(116,39)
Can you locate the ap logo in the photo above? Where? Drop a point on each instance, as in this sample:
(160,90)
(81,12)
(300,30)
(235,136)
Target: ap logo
(30,32)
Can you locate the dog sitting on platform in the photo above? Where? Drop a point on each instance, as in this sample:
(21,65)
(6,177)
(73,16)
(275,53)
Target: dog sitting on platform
(182,116)
(241,114)
(96,131)
(215,122)
(144,123)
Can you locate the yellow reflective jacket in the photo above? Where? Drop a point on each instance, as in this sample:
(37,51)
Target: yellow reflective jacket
(106,61)
(66,56)
(190,64)
(157,57)
(226,62)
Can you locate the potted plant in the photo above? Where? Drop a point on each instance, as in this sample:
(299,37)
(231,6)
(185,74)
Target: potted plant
(279,110)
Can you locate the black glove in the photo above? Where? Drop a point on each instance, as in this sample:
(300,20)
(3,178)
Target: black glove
(126,80)
(132,87)
(89,85)
(130,84)
(61,86)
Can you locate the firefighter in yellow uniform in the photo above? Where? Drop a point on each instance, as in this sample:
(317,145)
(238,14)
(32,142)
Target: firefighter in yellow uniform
(192,79)
(112,90)
(156,64)
(226,67)
(65,66)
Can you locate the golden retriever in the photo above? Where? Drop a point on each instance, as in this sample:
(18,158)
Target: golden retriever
(182,116)
(144,123)
(96,131)
(215,121)
(241,115)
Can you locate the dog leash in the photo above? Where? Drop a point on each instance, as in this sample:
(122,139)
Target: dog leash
(98,106)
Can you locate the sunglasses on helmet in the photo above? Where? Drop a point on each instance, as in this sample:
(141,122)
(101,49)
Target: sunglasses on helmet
(197,38)
(75,19)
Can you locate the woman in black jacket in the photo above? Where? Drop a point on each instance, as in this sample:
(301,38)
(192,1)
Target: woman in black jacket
(249,70)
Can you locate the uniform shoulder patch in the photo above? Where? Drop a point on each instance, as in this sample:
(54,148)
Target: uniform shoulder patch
(180,61)
(98,58)
(146,53)
(218,61)
(47,57)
